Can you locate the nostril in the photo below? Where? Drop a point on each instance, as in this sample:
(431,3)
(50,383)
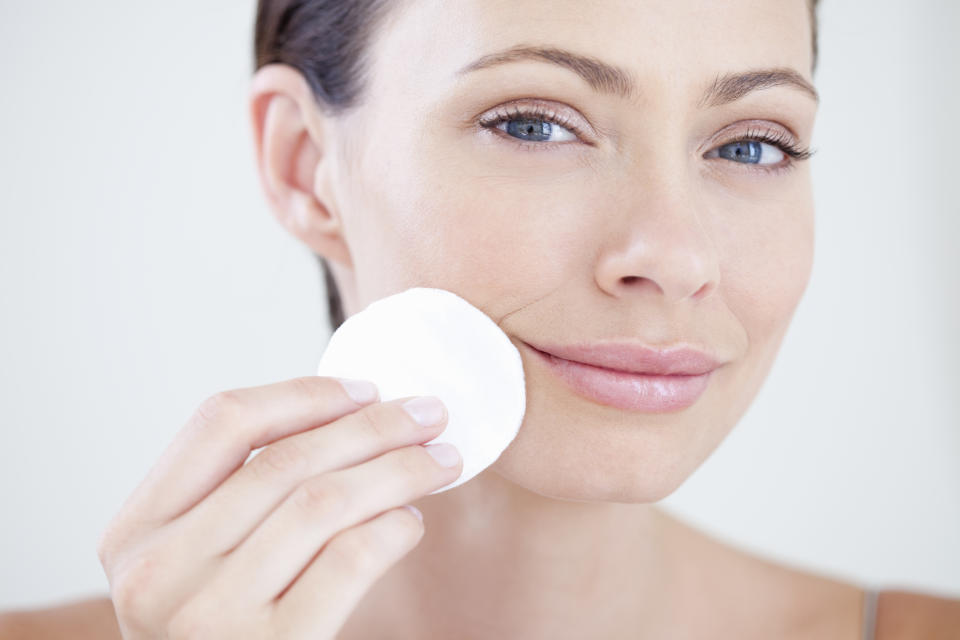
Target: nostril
(704,291)
(639,281)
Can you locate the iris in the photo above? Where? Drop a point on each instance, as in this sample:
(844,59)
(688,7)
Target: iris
(747,151)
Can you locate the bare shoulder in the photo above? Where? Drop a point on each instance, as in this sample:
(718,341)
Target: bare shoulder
(903,615)
(81,619)
(801,604)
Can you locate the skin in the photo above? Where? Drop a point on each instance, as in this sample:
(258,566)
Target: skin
(626,230)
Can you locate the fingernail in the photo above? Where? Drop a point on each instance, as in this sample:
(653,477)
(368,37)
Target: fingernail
(426,410)
(415,511)
(444,453)
(361,391)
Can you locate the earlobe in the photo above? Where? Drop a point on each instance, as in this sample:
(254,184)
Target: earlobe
(288,142)
(309,221)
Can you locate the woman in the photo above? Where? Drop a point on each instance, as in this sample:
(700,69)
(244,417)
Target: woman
(618,173)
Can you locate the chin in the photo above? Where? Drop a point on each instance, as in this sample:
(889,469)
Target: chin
(637,479)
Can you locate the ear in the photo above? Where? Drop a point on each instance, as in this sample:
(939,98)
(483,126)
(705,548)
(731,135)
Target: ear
(290,132)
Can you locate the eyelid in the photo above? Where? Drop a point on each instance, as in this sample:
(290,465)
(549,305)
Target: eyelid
(547,109)
(745,127)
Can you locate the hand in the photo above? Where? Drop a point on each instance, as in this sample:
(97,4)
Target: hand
(286,545)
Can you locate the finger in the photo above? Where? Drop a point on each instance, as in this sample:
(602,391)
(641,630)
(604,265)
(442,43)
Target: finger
(321,599)
(277,550)
(219,437)
(235,508)
(192,547)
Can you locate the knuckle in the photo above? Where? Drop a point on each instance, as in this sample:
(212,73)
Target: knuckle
(304,385)
(312,388)
(355,550)
(131,588)
(320,495)
(406,526)
(114,543)
(219,408)
(278,460)
(374,423)
(414,462)
(105,546)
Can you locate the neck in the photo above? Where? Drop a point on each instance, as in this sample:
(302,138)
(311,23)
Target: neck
(509,562)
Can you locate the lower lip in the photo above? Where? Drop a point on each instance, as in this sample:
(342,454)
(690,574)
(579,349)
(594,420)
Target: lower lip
(631,391)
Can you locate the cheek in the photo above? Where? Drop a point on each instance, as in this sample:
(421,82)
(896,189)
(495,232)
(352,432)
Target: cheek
(767,257)
(500,241)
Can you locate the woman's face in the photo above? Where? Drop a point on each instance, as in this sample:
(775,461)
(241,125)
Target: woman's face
(607,214)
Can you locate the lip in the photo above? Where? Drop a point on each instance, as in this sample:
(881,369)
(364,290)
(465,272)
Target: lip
(629,376)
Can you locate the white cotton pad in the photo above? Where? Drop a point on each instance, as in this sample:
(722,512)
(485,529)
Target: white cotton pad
(426,341)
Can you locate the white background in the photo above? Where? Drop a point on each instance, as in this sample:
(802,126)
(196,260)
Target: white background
(140,271)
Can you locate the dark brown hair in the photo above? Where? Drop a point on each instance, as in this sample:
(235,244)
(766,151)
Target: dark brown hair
(326,41)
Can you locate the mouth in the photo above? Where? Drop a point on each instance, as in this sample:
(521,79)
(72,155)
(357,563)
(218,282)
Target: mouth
(631,390)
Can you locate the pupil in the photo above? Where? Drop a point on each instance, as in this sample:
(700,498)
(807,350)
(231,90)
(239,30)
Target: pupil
(748,151)
(529,129)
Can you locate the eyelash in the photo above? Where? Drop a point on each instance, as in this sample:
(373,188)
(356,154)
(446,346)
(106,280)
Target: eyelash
(792,149)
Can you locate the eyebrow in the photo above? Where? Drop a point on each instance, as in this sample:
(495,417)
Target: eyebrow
(610,79)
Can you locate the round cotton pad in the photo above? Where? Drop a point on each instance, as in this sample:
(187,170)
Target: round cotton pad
(426,341)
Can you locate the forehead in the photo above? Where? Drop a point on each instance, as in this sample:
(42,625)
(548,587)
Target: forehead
(678,43)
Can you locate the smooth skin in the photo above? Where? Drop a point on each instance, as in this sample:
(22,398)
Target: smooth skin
(626,224)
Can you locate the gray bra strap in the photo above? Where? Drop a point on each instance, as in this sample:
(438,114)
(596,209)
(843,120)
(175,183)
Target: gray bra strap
(870,613)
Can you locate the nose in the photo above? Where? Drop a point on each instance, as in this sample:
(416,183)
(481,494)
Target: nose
(658,246)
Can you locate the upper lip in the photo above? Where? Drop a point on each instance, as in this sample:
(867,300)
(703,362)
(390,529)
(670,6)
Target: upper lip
(633,357)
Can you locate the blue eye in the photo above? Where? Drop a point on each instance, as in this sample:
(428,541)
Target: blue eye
(534,130)
(539,130)
(533,126)
(767,149)
(750,152)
